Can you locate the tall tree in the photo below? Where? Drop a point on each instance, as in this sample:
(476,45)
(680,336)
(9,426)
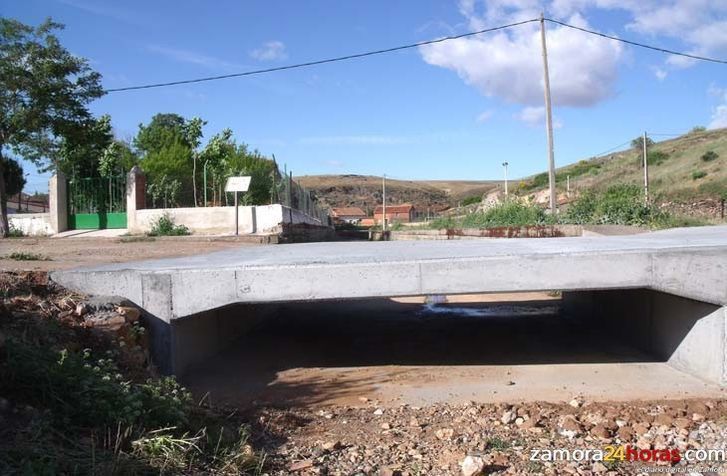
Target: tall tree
(193,136)
(44,91)
(14,177)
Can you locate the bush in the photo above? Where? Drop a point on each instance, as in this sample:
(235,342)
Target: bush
(81,390)
(471,200)
(656,157)
(618,205)
(164,226)
(709,156)
(507,213)
(698,174)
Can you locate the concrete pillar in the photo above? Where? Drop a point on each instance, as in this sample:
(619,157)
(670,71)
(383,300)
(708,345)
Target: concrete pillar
(58,202)
(135,196)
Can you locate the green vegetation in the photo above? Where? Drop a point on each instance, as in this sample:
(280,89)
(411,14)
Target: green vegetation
(15,232)
(471,200)
(497,443)
(617,205)
(656,157)
(698,174)
(508,213)
(164,226)
(76,410)
(709,156)
(24,256)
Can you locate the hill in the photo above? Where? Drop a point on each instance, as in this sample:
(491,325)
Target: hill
(677,169)
(365,191)
(677,173)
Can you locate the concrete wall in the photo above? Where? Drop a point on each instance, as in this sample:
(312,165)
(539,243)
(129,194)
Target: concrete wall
(199,337)
(221,220)
(687,334)
(32,224)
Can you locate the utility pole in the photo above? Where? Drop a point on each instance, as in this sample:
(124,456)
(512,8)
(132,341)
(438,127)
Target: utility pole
(383,226)
(505,164)
(646,170)
(548,117)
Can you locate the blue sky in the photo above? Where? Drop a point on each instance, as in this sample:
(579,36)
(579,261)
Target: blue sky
(456,110)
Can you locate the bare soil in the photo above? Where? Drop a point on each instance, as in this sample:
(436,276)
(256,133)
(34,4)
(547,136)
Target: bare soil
(63,253)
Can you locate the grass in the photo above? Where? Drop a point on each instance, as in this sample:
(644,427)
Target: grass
(698,174)
(24,256)
(508,213)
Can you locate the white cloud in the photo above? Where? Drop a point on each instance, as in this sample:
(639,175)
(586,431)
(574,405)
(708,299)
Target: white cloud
(270,51)
(583,68)
(534,116)
(719,113)
(508,65)
(191,57)
(485,116)
(355,140)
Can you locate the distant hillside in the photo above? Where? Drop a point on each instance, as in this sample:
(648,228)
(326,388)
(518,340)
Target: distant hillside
(365,191)
(677,173)
(676,169)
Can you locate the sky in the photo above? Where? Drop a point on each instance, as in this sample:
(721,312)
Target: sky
(453,110)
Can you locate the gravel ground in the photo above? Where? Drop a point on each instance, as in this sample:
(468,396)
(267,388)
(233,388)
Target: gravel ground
(488,439)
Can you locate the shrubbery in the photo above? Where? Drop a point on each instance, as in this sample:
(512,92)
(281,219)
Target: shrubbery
(164,226)
(709,156)
(618,205)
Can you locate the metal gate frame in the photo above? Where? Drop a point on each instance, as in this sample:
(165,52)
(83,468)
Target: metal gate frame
(97,203)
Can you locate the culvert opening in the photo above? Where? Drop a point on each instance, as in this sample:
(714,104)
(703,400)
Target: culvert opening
(530,346)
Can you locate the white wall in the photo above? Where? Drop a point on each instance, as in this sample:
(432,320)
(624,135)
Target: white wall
(31,224)
(221,220)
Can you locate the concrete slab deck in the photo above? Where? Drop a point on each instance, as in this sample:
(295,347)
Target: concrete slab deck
(689,262)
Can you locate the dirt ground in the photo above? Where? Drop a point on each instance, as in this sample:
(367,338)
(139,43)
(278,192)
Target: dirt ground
(62,253)
(405,352)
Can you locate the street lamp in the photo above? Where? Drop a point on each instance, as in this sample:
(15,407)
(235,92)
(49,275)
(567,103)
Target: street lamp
(505,164)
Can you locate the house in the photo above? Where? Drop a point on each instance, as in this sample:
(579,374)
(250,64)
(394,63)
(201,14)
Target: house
(347,215)
(395,213)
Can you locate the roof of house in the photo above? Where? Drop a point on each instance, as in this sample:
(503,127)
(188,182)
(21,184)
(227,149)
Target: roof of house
(347,212)
(403,208)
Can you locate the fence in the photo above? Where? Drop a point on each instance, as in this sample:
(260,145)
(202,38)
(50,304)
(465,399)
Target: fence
(290,193)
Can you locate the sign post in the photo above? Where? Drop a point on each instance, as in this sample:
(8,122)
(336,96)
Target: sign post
(237,184)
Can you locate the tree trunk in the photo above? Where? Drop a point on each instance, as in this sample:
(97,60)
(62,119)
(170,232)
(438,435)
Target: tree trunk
(194,177)
(4,225)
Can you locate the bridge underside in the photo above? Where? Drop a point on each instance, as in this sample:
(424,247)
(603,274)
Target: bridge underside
(187,300)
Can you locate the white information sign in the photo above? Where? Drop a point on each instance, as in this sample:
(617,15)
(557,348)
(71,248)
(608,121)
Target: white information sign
(237,184)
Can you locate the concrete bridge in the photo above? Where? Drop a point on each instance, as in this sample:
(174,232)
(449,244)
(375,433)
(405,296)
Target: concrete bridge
(666,291)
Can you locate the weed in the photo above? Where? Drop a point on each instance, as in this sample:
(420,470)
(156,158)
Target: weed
(15,232)
(709,156)
(497,443)
(136,239)
(656,157)
(23,256)
(164,226)
(698,174)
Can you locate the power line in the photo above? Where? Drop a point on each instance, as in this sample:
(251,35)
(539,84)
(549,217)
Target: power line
(323,61)
(640,45)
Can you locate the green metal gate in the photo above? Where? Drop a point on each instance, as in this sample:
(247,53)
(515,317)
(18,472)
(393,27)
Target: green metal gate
(96,203)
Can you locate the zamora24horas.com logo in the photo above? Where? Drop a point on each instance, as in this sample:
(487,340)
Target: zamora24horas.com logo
(623,453)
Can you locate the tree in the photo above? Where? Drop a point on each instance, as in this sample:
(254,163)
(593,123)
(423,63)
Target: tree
(638,143)
(168,145)
(193,135)
(80,155)
(44,91)
(14,178)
